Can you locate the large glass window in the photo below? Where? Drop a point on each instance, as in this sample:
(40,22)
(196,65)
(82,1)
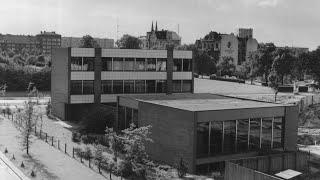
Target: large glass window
(128,86)
(254,141)
(106,87)
(161,64)
(106,63)
(128,64)
(216,136)
(161,86)
(140,86)
(186,85)
(140,64)
(151,86)
(88,64)
(229,136)
(176,85)
(117,64)
(151,64)
(277,132)
(266,138)
(76,87)
(87,87)
(187,65)
(242,135)
(117,86)
(202,139)
(122,116)
(177,64)
(76,63)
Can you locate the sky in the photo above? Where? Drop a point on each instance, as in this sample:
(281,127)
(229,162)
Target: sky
(283,22)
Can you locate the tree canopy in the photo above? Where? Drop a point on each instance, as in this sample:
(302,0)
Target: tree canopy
(128,42)
(88,42)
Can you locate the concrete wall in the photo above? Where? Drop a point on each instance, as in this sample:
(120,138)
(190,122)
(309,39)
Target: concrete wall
(173,133)
(291,128)
(231,51)
(252,46)
(60,81)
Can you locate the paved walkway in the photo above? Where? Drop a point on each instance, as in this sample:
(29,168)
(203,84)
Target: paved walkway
(8,171)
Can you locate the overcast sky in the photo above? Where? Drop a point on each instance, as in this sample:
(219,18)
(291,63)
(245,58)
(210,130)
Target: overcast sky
(284,22)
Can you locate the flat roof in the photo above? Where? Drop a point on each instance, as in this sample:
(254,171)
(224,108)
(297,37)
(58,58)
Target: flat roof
(202,101)
(288,174)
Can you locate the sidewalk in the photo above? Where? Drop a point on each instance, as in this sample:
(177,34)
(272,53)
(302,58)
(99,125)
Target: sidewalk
(9,171)
(47,162)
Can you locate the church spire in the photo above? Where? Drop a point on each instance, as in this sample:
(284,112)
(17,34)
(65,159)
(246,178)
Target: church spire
(156,26)
(152,26)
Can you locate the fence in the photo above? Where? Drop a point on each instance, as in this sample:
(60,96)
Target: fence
(308,100)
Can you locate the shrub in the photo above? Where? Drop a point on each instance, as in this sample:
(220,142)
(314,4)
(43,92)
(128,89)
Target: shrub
(48,108)
(182,168)
(76,137)
(87,153)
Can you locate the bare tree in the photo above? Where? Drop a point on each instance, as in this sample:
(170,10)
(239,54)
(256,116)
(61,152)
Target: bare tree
(29,122)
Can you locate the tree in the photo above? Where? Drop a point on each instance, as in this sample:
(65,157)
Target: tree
(226,66)
(128,42)
(115,143)
(88,42)
(301,66)
(182,168)
(204,63)
(274,81)
(265,60)
(283,63)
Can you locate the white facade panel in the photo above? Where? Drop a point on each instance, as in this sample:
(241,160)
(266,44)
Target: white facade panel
(82,52)
(182,76)
(182,54)
(82,75)
(77,99)
(106,75)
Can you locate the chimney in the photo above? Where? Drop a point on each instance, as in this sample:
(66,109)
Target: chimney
(170,48)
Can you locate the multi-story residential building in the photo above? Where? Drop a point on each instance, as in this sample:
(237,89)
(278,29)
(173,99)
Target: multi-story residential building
(206,129)
(81,77)
(48,41)
(76,42)
(18,42)
(159,39)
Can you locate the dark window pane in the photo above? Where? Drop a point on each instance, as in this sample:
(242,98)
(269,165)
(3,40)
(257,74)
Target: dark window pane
(76,63)
(117,87)
(266,133)
(151,64)
(151,86)
(161,86)
(186,85)
(128,86)
(216,136)
(229,137)
(88,64)
(117,64)
(87,87)
(106,64)
(129,117)
(177,64)
(128,64)
(277,132)
(106,87)
(176,85)
(76,87)
(140,86)
(255,125)
(187,65)
(161,64)
(140,64)
(242,139)
(122,116)
(135,117)
(202,139)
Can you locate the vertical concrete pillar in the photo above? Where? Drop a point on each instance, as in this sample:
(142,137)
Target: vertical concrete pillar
(192,69)
(291,128)
(169,68)
(97,76)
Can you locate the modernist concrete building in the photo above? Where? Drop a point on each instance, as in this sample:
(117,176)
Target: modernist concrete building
(82,77)
(207,129)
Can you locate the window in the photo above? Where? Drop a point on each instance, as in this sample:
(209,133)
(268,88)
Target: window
(254,140)
(129,117)
(122,116)
(229,136)
(106,87)
(216,137)
(161,86)
(151,64)
(202,139)
(117,86)
(76,87)
(140,86)
(186,85)
(88,64)
(176,85)
(177,65)
(161,64)
(128,64)
(266,138)
(242,135)
(117,64)
(88,87)
(140,64)
(277,132)
(129,86)
(187,65)
(135,117)
(76,63)
(106,64)
(151,86)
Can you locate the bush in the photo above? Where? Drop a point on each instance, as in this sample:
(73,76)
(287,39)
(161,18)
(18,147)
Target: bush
(182,168)
(76,137)
(87,153)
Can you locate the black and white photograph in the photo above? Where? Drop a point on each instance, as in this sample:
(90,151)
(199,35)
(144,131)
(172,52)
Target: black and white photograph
(159,90)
